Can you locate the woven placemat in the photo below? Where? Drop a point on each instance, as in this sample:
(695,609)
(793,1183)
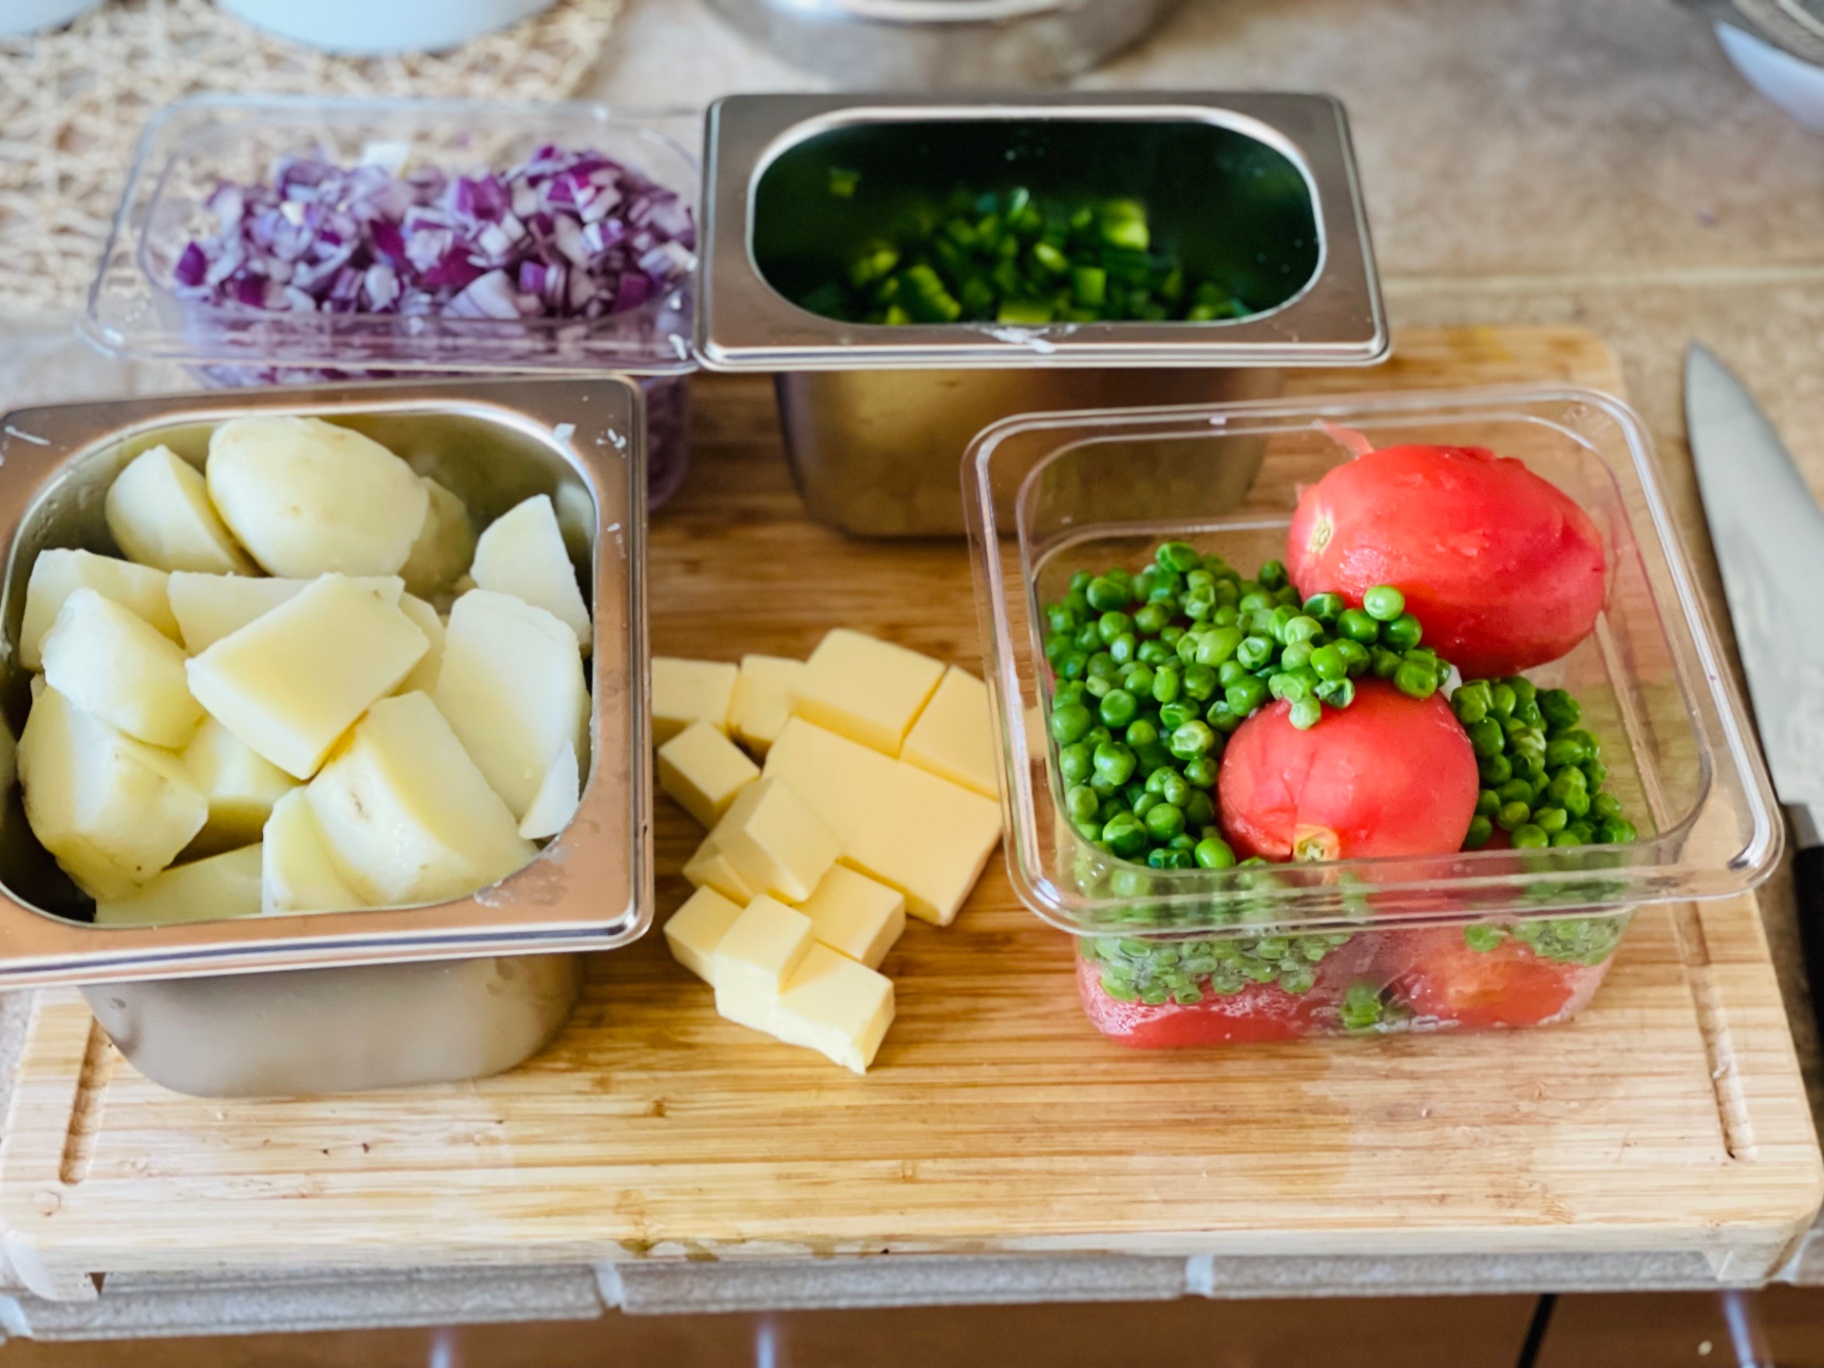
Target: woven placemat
(72,104)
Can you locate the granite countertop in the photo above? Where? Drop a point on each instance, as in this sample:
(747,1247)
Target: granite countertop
(1551,163)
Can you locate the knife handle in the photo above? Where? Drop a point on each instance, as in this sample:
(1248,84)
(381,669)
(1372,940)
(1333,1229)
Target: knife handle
(1808,887)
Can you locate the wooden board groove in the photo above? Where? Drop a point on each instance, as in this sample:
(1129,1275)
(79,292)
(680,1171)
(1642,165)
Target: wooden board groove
(1670,1116)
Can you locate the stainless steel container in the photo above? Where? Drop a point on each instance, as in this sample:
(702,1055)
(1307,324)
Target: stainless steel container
(1259,189)
(946,44)
(386,996)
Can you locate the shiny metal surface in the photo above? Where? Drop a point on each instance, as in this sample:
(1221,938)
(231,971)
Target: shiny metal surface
(340,1030)
(879,453)
(493,443)
(1768,533)
(945,44)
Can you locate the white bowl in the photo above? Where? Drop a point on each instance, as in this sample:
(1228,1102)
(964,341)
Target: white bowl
(377,28)
(1793,84)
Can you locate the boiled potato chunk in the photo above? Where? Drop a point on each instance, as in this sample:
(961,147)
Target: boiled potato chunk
(57,574)
(204,890)
(210,607)
(555,802)
(407,816)
(109,662)
(114,811)
(241,786)
(292,681)
(159,512)
(522,553)
(423,677)
(445,544)
(298,874)
(307,497)
(512,686)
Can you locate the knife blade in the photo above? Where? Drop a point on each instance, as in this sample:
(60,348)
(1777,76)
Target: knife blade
(1768,533)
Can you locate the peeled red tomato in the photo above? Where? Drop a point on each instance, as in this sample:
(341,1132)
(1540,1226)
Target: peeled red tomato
(1501,567)
(1388,775)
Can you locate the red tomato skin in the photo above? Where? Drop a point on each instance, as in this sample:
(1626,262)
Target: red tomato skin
(1502,568)
(1449,983)
(1389,775)
(1258,1014)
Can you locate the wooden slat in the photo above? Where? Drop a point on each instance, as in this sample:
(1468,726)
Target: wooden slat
(995,1118)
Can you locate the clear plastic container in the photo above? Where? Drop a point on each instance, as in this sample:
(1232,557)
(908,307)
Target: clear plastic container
(1484,938)
(194,145)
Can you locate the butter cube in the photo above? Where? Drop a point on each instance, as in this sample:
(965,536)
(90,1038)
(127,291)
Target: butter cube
(755,958)
(108,660)
(763,700)
(837,1007)
(776,842)
(298,873)
(210,607)
(697,928)
(865,689)
(240,785)
(711,868)
(840,781)
(931,842)
(704,771)
(214,889)
(159,512)
(687,691)
(293,680)
(58,573)
(855,916)
(953,737)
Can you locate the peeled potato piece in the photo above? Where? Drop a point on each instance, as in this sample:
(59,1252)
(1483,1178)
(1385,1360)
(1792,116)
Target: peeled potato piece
(241,787)
(307,498)
(407,816)
(114,811)
(512,686)
(210,607)
(298,874)
(555,802)
(423,678)
(159,512)
(522,553)
(58,573)
(214,889)
(445,544)
(108,661)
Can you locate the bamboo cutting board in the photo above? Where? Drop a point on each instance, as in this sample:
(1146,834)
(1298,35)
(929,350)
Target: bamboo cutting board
(1668,1117)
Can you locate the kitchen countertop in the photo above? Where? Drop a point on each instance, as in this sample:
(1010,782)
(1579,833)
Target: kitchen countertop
(1549,163)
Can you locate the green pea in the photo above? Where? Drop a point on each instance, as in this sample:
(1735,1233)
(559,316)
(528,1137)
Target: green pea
(1186,648)
(1097,734)
(1527,836)
(1100,685)
(1059,618)
(1123,648)
(1153,755)
(1155,782)
(1152,619)
(1174,715)
(1141,731)
(1245,695)
(1199,810)
(1338,693)
(1495,769)
(1384,603)
(1329,662)
(1107,593)
(1515,790)
(1525,691)
(1125,834)
(1280,619)
(1565,750)
(1306,713)
(1559,709)
(1567,837)
(1082,803)
(1403,633)
(1512,815)
(1470,703)
(1217,645)
(1416,680)
(1254,601)
(1225,614)
(1165,820)
(1222,718)
(1385,663)
(1480,830)
(1167,681)
(1325,607)
(1200,579)
(1146,802)
(1076,762)
(1596,772)
(1087,640)
(1174,789)
(1272,574)
(1296,656)
(1576,802)
(1199,683)
(1359,626)
(1355,656)
(1113,624)
(1080,581)
(1071,665)
(1114,761)
(1183,841)
(1486,737)
(1584,832)
(1292,685)
(1179,556)
(1119,708)
(1551,820)
(1191,740)
(1215,853)
(1606,806)
(1616,831)
(1230,671)
(1069,723)
(1102,663)
(1153,651)
(1200,771)
(1198,606)
(1068,691)
(1137,679)
(1568,781)
(1302,627)
(1488,802)
(1254,651)
(1501,701)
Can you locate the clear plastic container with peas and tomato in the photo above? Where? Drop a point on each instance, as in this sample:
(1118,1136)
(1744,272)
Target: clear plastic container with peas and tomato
(1322,934)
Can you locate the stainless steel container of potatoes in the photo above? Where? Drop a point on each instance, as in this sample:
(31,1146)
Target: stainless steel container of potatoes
(384,997)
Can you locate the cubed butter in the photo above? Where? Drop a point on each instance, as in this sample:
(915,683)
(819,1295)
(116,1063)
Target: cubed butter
(112,810)
(159,512)
(107,660)
(930,841)
(697,928)
(214,889)
(241,787)
(840,780)
(293,680)
(406,814)
(711,868)
(755,958)
(210,607)
(953,737)
(776,842)
(687,691)
(866,689)
(522,553)
(58,573)
(837,1007)
(704,771)
(762,700)
(856,916)
(298,873)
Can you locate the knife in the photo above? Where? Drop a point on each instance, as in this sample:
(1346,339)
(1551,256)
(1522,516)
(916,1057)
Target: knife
(1768,532)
